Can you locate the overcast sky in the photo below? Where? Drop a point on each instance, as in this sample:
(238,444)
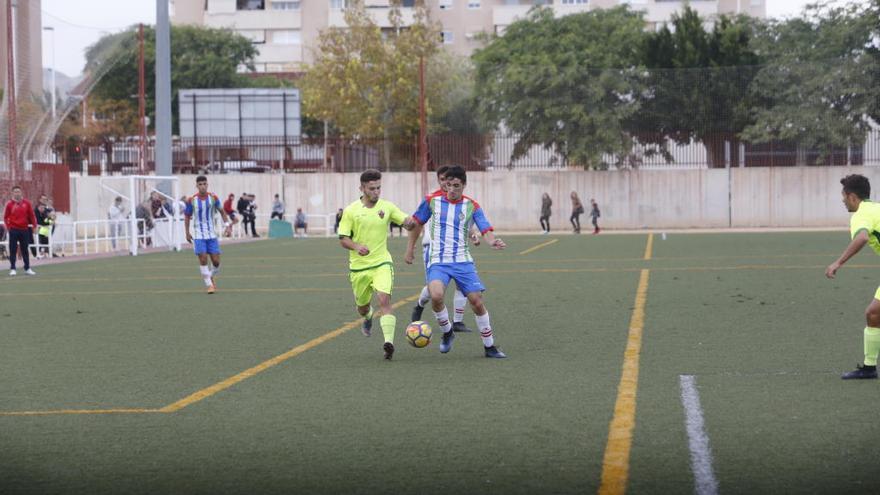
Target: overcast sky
(80,23)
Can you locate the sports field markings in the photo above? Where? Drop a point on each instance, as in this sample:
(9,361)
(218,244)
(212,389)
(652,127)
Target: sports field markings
(705,482)
(219,386)
(615,463)
(184,291)
(539,246)
(244,375)
(649,247)
(78,411)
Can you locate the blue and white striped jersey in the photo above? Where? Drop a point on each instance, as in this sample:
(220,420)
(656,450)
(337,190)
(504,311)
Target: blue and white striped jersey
(201,210)
(448,224)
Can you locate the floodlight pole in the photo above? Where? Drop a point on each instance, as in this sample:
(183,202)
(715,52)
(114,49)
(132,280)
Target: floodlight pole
(142,102)
(51,29)
(10,91)
(163,91)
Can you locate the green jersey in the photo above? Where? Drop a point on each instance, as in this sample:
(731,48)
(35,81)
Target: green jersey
(369,227)
(867,218)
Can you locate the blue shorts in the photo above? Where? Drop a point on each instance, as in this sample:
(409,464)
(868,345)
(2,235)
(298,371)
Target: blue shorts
(464,274)
(206,246)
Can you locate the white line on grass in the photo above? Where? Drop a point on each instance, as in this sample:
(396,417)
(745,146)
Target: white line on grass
(701,455)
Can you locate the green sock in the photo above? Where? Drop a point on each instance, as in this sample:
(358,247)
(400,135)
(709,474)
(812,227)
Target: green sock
(369,316)
(388,323)
(872,345)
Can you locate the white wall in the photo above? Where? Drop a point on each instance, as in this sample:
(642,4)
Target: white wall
(759,197)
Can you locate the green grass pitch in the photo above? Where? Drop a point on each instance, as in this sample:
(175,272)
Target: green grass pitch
(751,316)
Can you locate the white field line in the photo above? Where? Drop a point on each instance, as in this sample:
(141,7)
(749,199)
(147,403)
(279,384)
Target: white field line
(701,455)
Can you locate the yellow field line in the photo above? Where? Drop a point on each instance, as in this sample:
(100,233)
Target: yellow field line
(539,246)
(649,247)
(78,411)
(615,464)
(179,291)
(244,375)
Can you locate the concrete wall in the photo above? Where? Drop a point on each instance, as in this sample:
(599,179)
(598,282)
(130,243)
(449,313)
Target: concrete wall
(757,197)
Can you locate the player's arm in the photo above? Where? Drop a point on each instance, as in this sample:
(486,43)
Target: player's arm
(411,241)
(187,214)
(485,228)
(475,235)
(349,244)
(227,224)
(854,247)
(422,214)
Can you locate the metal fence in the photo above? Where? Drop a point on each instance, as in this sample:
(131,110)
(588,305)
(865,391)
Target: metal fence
(474,152)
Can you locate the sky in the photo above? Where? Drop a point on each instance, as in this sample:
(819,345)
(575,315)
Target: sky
(80,23)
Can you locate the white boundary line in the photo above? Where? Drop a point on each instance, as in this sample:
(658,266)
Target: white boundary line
(701,455)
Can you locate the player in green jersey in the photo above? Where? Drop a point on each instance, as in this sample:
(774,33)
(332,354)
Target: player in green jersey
(363,230)
(864,226)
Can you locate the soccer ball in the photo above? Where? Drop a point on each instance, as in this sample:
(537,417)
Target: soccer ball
(418,334)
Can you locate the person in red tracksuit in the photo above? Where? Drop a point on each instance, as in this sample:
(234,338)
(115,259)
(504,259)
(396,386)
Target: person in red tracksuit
(19,219)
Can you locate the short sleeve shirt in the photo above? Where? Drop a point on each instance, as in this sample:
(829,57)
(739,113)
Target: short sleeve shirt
(369,227)
(867,218)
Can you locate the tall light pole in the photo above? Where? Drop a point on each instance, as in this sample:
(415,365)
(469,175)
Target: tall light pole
(163,90)
(54,98)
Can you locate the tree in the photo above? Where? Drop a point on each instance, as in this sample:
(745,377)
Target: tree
(698,83)
(820,83)
(114,121)
(566,84)
(365,78)
(200,58)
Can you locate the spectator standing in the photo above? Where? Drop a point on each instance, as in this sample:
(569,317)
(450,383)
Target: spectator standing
(45,219)
(546,203)
(252,214)
(144,221)
(577,209)
(594,213)
(338,219)
(116,214)
(230,212)
(19,219)
(277,208)
(242,207)
(300,223)
(42,212)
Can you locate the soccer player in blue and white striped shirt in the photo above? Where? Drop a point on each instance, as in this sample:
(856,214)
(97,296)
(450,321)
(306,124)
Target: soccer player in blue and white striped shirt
(449,217)
(199,214)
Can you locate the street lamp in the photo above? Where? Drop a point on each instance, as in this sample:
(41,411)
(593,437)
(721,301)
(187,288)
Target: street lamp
(52,30)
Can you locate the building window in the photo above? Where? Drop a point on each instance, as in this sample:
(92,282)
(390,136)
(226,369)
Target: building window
(755,3)
(286,37)
(255,35)
(446,37)
(285,5)
(408,3)
(576,2)
(473,4)
(445,4)
(337,4)
(250,5)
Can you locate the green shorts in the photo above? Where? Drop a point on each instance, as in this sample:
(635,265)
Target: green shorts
(365,282)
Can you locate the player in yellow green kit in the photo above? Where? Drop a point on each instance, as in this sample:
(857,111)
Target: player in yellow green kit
(864,226)
(363,230)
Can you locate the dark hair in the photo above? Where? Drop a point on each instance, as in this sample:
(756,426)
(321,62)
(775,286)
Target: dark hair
(442,170)
(857,184)
(456,172)
(201,178)
(370,175)
(16,187)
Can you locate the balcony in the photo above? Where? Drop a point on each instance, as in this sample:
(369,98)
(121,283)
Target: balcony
(255,19)
(379,15)
(505,15)
(662,11)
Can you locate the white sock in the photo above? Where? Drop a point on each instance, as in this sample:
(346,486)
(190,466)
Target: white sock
(459,302)
(424,297)
(206,274)
(215,270)
(485,330)
(443,320)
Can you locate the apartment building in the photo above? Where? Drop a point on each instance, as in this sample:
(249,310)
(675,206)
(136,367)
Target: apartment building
(286,31)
